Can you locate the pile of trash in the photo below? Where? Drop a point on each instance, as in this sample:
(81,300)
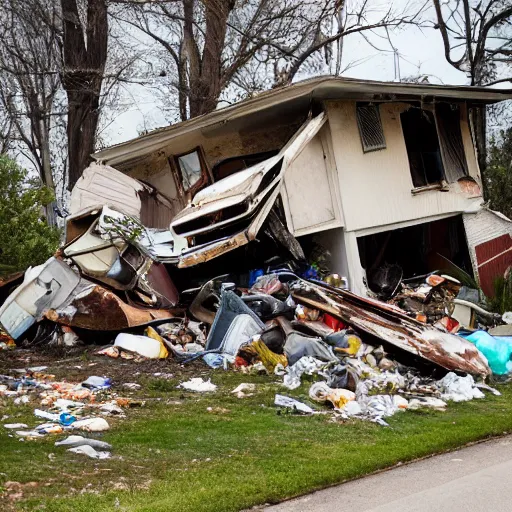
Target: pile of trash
(444,302)
(65,407)
(207,289)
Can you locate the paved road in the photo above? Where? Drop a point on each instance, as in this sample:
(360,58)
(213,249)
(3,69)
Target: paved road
(474,479)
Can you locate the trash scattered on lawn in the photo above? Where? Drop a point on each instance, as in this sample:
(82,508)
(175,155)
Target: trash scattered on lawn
(92,425)
(294,405)
(427,402)
(96,383)
(321,392)
(306,365)
(199,385)
(90,452)
(133,386)
(65,407)
(75,441)
(458,389)
(244,389)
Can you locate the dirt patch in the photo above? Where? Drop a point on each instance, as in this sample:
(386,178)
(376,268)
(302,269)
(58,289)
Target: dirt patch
(77,363)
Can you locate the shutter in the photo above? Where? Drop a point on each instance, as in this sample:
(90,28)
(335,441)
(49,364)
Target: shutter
(450,142)
(370,127)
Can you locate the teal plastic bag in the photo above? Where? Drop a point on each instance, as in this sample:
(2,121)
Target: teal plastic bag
(497,350)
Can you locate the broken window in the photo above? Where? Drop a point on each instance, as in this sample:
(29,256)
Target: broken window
(370,127)
(450,138)
(190,168)
(229,166)
(192,173)
(422,143)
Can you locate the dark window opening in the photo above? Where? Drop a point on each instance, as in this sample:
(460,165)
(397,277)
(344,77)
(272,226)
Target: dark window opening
(413,251)
(229,166)
(370,127)
(422,143)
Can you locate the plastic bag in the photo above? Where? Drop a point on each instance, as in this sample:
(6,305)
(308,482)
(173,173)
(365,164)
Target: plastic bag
(497,350)
(457,388)
(198,384)
(339,398)
(290,403)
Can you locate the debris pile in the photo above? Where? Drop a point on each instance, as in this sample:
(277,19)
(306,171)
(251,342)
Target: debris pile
(444,301)
(208,289)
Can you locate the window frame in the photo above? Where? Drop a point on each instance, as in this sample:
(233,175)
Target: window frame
(439,184)
(366,148)
(205,179)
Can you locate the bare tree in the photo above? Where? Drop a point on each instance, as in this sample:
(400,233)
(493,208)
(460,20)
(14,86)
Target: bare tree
(477,39)
(29,81)
(210,46)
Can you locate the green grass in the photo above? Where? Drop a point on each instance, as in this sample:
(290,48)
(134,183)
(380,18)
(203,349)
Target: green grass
(174,454)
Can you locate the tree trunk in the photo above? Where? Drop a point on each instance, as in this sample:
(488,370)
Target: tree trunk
(47,172)
(205,88)
(83,115)
(85,56)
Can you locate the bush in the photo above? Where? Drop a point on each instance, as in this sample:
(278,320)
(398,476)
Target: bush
(502,300)
(25,237)
(498,174)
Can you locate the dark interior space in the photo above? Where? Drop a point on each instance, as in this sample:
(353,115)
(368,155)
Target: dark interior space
(417,250)
(422,142)
(229,166)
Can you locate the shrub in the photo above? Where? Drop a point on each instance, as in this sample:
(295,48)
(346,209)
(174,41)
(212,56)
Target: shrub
(25,237)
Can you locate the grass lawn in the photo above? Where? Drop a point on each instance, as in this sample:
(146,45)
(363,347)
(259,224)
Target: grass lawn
(175,454)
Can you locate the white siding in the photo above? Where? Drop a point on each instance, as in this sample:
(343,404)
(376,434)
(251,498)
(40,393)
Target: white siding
(376,187)
(310,189)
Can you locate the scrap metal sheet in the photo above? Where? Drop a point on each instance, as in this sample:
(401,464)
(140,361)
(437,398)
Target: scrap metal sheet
(395,327)
(94,307)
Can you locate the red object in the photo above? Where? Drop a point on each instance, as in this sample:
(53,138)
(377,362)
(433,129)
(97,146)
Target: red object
(333,323)
(493,258)
(240,361)
(450,324)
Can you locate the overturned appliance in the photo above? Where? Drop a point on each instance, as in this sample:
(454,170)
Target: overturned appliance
(102,185)
(107,249)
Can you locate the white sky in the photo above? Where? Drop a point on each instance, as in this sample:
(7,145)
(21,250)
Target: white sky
(421,52)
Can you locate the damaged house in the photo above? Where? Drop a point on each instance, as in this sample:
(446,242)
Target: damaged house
(256,237)
(382,175)
(215,222)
